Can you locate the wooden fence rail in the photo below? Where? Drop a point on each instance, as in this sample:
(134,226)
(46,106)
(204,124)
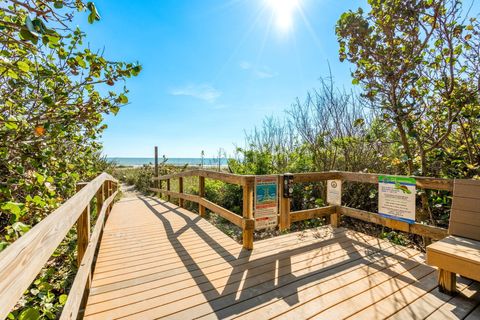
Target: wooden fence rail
(21,262)
(245,221)
(286,216)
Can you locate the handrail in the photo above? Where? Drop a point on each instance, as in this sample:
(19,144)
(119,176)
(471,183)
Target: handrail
(422,182)
(246,181)
(21,262)
(286,217)
(432,232)
(238,179)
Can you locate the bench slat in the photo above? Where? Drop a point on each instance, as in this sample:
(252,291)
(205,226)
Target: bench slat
(460,248)
(465,214)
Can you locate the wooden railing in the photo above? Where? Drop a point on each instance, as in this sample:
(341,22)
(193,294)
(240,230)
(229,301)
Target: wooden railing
(335,212)
(286,216)
(245,221)
(21,262)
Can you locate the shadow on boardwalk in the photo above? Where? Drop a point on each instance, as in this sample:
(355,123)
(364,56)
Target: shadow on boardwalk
(259,280)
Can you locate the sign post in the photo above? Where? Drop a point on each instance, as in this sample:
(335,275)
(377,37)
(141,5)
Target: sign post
(396,198)
(266,202)
(334,192)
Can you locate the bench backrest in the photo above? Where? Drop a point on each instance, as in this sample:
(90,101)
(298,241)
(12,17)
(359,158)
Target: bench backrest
(465,213)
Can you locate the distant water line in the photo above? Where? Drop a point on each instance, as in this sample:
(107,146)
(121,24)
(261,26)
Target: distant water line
(121,161)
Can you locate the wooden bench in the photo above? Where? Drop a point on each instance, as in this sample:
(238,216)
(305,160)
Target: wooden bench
(460,251)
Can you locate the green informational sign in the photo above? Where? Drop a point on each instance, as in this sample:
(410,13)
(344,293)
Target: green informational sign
(266,202)
(396,198)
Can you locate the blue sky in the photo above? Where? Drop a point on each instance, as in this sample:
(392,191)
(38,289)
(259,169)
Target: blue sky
(212,69)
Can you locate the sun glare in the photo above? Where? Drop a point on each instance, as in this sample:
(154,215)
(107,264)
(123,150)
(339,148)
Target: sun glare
(283,11)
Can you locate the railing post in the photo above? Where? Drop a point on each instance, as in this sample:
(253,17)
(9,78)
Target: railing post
(160,186)
(335,217)
(168,189)
(285,220)
(105,195)
(201,193)
(155,184)
(110,192)
(100,198)
(83,234)
(248,225)
(180,189)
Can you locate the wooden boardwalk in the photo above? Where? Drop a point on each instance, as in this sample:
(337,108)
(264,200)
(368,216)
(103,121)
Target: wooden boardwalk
(158,260)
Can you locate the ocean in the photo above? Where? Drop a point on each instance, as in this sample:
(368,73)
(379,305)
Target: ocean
(173,161)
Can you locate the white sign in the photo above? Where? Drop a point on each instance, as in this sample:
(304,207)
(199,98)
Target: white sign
(334,192)
(266,202)
(396,198)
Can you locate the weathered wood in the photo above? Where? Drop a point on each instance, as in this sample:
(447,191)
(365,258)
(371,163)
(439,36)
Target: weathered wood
(247,234)
(284,217)
(201,193)
(105,193)
(184,196)
(311,213)
(224,213)
(22,260)
(335,219)
(83,236)
(295,276)
(83,278)
(221,176)
(456,254)
(447,281)
(156,167)
(100,199)
(465,213)
(168,189)
(180,190)
(83,228)
(416,228)
(422,182)
(316,176)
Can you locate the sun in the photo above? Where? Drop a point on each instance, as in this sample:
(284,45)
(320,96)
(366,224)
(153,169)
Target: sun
(283,11)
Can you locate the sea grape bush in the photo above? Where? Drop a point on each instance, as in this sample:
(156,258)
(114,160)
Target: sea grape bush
(54,92)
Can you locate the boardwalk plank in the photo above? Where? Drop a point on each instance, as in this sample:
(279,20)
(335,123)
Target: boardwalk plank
(158,260)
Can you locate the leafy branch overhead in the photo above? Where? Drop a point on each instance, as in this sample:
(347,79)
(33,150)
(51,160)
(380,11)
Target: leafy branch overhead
(419,65)
(54,92)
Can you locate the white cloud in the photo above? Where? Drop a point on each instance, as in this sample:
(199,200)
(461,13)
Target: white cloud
(245,65)
(200,91)
(260,73)
(265,74)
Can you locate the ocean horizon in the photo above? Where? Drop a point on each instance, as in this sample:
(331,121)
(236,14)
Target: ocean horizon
(138,161)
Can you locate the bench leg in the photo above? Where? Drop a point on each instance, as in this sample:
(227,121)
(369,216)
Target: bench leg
(447,281)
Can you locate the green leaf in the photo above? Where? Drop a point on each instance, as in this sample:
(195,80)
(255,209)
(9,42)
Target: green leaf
(62,299)
(80,61)
(25,34)
(20,227)
(29,314)
(93,16)
(3,245)
(123,98)
(12,74)
(23,66)
(40,178)
(39,201)
(48,100)
(13,207)
(11,125)
(58,4)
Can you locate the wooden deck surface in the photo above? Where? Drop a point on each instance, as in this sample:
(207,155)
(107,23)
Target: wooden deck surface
(157,260)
